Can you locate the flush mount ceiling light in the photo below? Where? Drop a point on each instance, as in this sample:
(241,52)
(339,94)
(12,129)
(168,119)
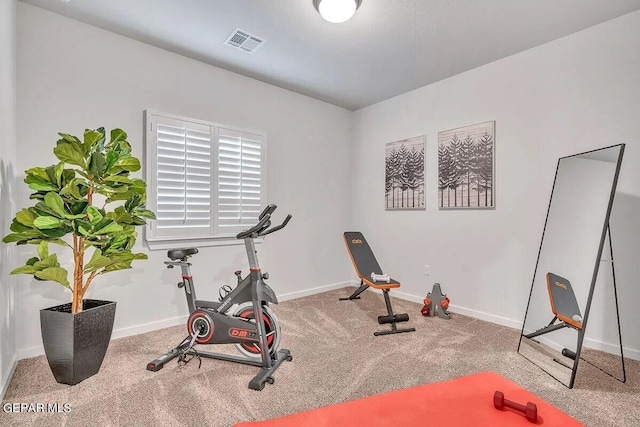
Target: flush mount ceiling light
(337,11)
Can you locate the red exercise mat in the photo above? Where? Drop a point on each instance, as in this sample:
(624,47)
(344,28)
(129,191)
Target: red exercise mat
(464,401)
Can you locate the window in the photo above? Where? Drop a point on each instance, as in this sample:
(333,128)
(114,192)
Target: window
(206,181)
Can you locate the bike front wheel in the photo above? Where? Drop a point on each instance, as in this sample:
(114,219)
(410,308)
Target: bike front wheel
(271,329)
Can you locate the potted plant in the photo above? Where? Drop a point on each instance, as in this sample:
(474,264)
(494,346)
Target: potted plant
(70,210)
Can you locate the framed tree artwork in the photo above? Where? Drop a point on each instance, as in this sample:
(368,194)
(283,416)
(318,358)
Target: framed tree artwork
(404,174)
(466,167)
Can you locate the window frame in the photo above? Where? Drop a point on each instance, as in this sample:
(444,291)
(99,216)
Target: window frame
(150,167)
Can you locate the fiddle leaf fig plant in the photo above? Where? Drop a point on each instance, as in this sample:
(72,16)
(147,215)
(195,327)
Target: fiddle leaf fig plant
(71,199)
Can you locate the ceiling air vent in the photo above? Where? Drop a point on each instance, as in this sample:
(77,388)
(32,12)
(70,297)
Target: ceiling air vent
(243,40)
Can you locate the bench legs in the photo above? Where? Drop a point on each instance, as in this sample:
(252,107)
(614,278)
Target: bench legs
(389,318)
(392,318)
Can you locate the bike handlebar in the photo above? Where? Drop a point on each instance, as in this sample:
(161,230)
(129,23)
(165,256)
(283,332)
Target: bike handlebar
(267,211)
(277,227)
(261,228)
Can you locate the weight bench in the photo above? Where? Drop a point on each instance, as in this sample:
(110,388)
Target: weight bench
(370,275)
(563,305)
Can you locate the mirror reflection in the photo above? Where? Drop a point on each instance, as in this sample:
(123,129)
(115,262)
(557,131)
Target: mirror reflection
(568,261)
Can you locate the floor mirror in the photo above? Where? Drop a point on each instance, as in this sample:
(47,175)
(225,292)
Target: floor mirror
(576,243)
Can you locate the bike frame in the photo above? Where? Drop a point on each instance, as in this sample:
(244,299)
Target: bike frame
(243,292)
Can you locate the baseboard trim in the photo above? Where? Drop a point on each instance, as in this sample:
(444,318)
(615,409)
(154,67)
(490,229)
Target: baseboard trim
(629,353)
(149,327)
(499,320)
(7,379)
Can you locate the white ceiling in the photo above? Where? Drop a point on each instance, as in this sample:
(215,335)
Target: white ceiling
(389,47)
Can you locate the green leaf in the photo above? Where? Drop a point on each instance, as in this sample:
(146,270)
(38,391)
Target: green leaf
(139,186)
(55,202)
(122,260)
(38,172)
(58,170)
(117,244)
(144,213)
(25,217)
(54,234)
(120,216)
(97,165)
(47,262)
(23,237)
(47,222)
(79,207)
(94,215)
(18,227)
(54,274)
(97,261)
(70,153)
(32,260)
(25,269)
(118,135)
(71,189)
(79,225)
(68,175)
(94,138)
(69,138)
(119,178)
(41,208)
(110,159)
(123,265)
(120,196)
(39,184)
(43,249)
(112,227)
(129,164)
(134,201)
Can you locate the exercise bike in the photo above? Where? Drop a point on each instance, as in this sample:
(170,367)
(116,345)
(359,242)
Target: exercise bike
(232,319)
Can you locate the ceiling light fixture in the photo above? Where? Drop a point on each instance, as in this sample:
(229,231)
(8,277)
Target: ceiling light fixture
(337,11)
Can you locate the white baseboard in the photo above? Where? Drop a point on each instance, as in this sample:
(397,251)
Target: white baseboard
(465,311)
(499,320)
(629,353)
(149,327)
(7,378)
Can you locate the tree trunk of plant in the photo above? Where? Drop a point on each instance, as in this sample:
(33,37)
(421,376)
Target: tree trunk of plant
(78,293)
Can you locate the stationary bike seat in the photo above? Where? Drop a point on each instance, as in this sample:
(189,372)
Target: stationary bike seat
(181,253)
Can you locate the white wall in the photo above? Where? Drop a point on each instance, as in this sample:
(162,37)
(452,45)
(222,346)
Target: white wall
(568,96)
(72,76)
(7,187)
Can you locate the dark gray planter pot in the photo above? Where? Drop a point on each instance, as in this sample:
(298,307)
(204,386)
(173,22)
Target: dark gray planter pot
(75,345)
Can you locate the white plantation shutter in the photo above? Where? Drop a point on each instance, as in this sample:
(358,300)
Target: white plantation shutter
(183,178)
(205,182)
(240,179)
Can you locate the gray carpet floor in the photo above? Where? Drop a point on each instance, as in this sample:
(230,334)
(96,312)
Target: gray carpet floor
(336,359)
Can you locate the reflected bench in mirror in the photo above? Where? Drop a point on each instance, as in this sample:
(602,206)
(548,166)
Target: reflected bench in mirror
(569,258)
